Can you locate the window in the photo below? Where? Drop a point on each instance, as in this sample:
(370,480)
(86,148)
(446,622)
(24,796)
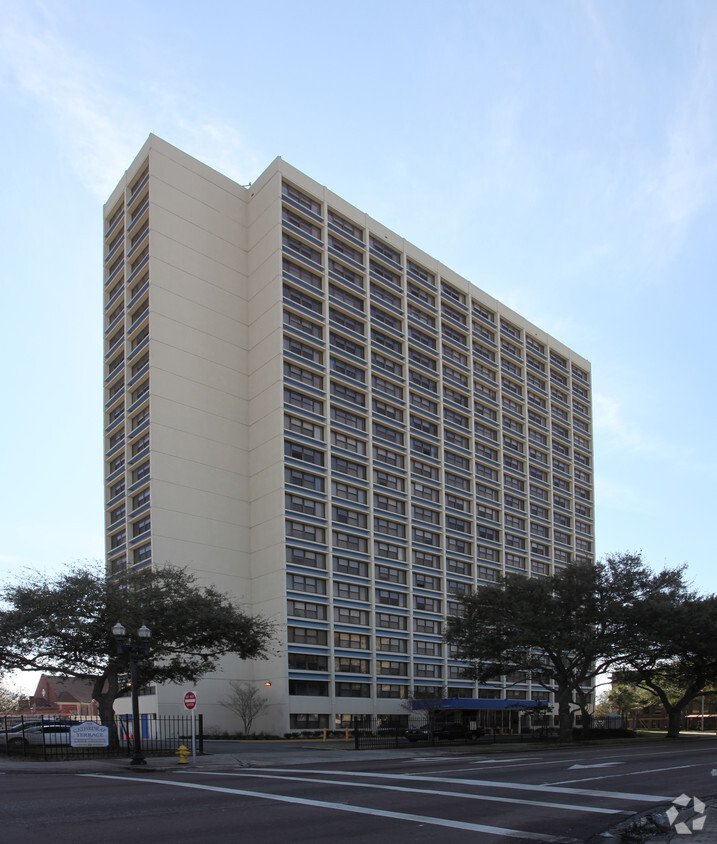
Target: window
(349,443)
(391,528)
(348,467)
(345,417)
(426,558)
(384,479)
(305,532)
(306,636)
(348,394)
(140,473)
(353,689)
(389,574)
(351,615)
(351,641)
(350,591)
(308,662)
(348,369)
(297,399)
(304,479)
(310,688)
(305,557)
(351,665)
(426,537)
(390,597)
(388,643)
(348,517)
(392,505)
(389,551)
(387,666)
(424,669)
(425,514)
(389,621)
(426,603)
(338,341)
(385,455)
(348,492)
(297,451)
(382,362)
(347,565)
(309,506)
(304,609)
(302,350)
(348,540)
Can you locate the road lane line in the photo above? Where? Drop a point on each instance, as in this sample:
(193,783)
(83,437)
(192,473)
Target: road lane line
(519,801)
(631,774)
(585,792)
(342,807)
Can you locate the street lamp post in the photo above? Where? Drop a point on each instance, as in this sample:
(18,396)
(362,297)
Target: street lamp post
(136,649)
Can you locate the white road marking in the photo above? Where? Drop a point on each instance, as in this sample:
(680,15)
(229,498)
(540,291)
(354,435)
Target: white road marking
(342,807)
(596,765)
(586,792)
(629,774)
(520,801)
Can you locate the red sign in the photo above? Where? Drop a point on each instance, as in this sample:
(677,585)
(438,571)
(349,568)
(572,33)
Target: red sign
(190,700)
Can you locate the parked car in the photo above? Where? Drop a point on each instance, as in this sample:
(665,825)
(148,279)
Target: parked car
(42,734)
(449,730)
(6,735)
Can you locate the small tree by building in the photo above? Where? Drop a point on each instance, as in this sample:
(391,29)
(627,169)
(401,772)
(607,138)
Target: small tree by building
(246,701)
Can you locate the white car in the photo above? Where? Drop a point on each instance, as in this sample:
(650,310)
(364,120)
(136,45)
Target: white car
(41,734)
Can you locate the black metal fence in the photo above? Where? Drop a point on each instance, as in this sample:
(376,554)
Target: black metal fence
(52,738)
(376,733)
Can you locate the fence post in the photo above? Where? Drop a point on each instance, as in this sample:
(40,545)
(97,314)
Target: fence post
(356,734)
(200,733)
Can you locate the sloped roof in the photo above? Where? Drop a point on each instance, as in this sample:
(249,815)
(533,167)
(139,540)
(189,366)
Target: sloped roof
(69,689)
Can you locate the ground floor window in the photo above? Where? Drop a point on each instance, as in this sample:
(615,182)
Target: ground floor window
(305,721)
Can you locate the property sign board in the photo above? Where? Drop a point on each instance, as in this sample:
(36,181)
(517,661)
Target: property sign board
(89,734)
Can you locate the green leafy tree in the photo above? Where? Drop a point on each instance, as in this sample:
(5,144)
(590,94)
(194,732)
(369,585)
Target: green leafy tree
(63,626)
(628,700)
(673,652)
(565,630)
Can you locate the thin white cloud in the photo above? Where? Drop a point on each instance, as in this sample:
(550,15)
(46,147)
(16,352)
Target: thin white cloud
(612,425)
(683,182)
(97,127)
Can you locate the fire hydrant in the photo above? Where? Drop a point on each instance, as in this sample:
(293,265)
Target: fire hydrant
(183,754)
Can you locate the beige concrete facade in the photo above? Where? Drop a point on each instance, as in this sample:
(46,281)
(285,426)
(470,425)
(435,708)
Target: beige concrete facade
(325,422)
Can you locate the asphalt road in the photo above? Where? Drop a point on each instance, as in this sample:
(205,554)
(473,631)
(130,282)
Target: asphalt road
(555,795)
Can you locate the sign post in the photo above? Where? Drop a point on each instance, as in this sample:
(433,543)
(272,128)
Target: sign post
(190,702)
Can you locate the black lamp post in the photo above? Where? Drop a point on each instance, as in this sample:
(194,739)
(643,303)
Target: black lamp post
(136,649)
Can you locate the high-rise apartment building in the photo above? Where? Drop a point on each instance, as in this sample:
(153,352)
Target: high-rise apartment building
(330,425)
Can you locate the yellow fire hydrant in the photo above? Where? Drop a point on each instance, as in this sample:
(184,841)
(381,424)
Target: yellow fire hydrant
(183,754)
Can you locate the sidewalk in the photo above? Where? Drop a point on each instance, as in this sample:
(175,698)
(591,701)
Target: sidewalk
(243,758)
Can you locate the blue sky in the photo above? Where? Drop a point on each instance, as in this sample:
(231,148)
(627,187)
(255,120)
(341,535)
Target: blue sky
(560,155)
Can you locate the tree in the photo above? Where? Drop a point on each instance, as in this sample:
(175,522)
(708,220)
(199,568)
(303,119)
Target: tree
(9,698)
(246,701)
(627,700)
(673,652)
(565,629)
(63,626)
